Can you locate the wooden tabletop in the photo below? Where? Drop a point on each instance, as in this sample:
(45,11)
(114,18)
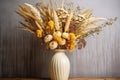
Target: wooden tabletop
(69,79)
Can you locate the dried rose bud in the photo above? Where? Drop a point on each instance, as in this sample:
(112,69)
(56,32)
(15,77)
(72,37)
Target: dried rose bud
(81,43)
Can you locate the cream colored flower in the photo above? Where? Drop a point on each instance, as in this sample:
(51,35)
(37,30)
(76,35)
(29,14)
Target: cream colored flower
(48,38)
(63,42)
(53,45)
(58,33)
(65,35)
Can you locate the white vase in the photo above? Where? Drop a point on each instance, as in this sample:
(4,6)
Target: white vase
(59,66)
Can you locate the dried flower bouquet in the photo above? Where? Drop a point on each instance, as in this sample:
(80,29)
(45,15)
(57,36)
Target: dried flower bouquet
(60,27)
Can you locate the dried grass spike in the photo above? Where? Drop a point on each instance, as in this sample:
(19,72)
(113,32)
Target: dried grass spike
(56,21)
(62,3)
(28,15)
(68,21)
(34,11)
(23,8)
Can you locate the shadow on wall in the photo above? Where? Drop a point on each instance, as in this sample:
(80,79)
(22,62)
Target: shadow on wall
(24,56)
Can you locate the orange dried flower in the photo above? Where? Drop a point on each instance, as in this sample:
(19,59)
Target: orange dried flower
(72,37)
(71,45)
(58,39)
(39,33)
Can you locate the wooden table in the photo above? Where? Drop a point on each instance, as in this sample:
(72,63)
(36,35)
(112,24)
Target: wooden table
(69,79)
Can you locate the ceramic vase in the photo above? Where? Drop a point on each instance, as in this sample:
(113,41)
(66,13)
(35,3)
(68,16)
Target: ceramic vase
(59,66)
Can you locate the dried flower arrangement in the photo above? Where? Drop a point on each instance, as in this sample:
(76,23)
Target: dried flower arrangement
(61,27)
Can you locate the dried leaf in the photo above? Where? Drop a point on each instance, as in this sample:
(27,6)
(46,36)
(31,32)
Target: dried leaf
(27,27)
(92,20)
(42,11)
(87,13)
(38,25)
(20,14)
(52,5)
(88,28)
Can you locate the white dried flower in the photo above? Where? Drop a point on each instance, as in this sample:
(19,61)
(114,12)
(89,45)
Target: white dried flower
(58,33)
(48,38)
(63,42)
(65,35)
(53,45)
(62,14)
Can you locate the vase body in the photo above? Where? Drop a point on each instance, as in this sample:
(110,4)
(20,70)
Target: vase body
(59,66)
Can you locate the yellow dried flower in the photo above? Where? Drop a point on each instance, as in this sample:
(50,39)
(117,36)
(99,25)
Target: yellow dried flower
(51,24)
(39,33)
(72,37)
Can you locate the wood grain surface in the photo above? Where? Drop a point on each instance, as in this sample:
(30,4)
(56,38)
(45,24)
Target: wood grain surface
(21,54)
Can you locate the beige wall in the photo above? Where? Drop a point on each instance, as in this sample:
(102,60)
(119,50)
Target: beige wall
(22,56)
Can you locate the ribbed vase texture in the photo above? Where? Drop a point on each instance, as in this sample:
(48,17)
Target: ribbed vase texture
(59,66)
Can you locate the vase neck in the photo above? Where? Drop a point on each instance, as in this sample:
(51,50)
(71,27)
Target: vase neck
(60,50)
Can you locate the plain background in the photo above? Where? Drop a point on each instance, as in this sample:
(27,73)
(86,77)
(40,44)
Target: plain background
(22,56)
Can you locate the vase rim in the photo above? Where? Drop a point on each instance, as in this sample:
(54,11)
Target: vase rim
(60,50)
